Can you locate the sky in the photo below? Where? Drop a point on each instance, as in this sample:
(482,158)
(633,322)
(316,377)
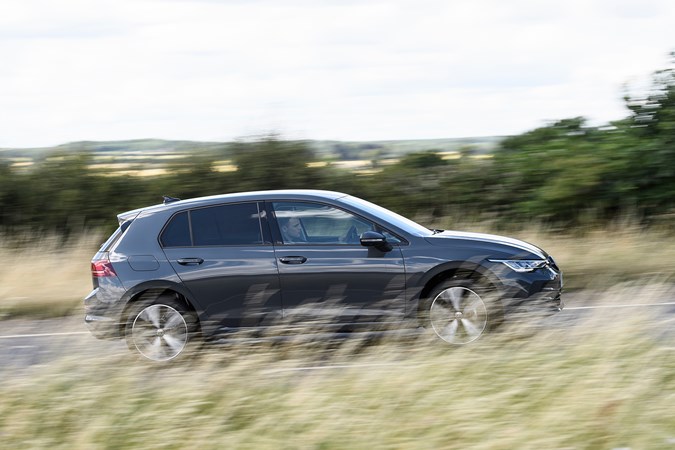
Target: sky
(209,70)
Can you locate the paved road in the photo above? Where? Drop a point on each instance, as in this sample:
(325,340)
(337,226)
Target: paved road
(25,343)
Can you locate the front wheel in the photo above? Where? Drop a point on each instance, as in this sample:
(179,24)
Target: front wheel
(160,330)
(461,311)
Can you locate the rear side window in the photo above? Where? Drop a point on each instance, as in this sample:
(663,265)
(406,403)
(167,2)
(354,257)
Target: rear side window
(226,225)
(237,224)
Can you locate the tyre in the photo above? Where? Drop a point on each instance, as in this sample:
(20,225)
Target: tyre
(462,310)
(160,329)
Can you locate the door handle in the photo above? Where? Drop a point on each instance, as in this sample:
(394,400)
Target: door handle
(292,259)
(190,261)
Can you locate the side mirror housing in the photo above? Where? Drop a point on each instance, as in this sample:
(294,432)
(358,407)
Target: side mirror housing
(375,239)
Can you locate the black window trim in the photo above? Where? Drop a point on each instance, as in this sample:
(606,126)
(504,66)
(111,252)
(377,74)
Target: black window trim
(192,238)
(266,238)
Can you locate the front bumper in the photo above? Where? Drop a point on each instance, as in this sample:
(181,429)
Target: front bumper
(534,293)
(543,303)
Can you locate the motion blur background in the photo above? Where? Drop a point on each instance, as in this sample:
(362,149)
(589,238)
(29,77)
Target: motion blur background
(554,113)
(551,122)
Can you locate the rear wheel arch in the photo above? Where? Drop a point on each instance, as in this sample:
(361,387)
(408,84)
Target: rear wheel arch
(151,292)
(160,324)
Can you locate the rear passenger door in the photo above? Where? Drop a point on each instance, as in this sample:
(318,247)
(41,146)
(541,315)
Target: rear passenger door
(224,256)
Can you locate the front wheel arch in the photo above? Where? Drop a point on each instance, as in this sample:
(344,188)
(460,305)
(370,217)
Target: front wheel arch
(461,308)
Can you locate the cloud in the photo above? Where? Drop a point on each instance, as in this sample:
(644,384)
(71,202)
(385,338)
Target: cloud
(322,69)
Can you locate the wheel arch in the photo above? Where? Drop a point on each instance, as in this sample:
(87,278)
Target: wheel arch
(454,269)
(154,289)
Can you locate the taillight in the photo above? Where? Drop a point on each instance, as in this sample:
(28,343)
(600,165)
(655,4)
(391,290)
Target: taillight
(102,268)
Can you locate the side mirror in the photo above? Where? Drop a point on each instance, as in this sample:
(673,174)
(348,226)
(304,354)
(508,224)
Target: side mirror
(375,239)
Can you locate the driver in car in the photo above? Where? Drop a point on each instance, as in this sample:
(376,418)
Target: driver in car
(292,232)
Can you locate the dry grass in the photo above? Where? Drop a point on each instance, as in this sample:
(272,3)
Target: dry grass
(605,257)
(604,382)
(43,275)
(597,257)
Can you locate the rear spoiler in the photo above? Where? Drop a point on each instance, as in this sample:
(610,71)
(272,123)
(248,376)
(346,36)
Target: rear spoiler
(131,215)
(127,216)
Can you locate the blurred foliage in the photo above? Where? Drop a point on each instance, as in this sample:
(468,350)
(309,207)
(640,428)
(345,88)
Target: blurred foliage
(271,163)
(603,380)
(563,173)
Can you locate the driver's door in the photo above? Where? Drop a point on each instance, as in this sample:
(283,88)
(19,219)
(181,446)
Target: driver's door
(327,275)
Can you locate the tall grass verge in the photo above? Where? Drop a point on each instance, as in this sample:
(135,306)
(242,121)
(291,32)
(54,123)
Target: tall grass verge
(607,381)
(595,257)
(45,275)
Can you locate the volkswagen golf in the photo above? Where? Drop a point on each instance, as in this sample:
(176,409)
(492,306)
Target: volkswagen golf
(205,267)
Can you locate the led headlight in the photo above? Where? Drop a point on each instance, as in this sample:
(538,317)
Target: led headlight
(522,265)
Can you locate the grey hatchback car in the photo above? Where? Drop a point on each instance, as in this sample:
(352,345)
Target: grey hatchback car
(212,265)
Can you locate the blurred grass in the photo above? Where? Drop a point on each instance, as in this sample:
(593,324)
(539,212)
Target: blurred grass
(607,381)
(595,257)
(45,276)
(602,258)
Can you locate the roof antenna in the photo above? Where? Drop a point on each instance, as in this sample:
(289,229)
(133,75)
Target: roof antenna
(168,199)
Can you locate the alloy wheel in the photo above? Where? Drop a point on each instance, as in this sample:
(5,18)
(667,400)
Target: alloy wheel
(458,315)
(159,332)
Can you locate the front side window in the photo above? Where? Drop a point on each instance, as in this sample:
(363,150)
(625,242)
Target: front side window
(316,223)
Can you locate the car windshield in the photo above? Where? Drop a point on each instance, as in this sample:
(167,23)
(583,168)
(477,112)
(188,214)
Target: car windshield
(393,218)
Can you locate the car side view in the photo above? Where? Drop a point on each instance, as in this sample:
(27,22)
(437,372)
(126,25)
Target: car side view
(205,267)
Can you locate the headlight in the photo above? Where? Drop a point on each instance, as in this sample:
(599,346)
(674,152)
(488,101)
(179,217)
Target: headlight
(522,265)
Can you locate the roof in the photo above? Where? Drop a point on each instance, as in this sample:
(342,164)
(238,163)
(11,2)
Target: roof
(291,194)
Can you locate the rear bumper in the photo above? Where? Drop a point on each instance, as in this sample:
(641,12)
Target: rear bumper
(102,327)
(101,318)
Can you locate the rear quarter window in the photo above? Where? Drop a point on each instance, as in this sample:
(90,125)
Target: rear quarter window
(177,232)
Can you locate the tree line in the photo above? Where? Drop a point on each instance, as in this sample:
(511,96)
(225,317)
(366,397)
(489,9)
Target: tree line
(564,173)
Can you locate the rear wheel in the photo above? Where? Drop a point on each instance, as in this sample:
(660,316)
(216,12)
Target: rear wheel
(462,310)
(160,330)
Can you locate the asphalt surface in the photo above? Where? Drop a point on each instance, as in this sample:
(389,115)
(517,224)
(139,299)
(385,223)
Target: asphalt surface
(28,343)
